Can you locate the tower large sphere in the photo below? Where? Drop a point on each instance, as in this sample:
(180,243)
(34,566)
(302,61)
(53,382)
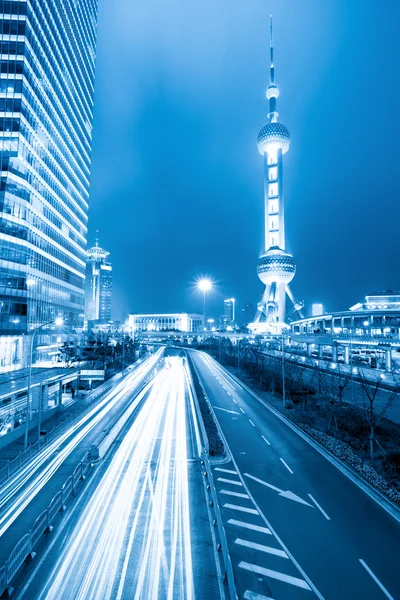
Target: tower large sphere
(273,136)
(276,265)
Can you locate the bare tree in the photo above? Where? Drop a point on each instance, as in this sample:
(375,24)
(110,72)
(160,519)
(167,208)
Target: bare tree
(332,386)
(373,413)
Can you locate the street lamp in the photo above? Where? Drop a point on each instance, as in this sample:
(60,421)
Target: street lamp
(204,285)
(58,322)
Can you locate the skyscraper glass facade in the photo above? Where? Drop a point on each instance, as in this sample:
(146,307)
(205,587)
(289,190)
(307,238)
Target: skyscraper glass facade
(46,111)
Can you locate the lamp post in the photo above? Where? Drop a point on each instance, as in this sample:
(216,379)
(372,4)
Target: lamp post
(283,366)
(58,322)
(204,285)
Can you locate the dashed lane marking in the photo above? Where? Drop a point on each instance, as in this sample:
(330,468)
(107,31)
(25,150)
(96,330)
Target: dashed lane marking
(236,494)
(225,470)
(320,507)
(286,465)
(234,400)
(261,548)
(275,575)
(241,409)
(265,440)
(229,394)
(230,481)
(251,511)
(254,596)
(251,422)
(249,526)
(374,577)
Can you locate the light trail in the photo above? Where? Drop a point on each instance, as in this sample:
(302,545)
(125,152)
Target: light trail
(133,539)
(19,490)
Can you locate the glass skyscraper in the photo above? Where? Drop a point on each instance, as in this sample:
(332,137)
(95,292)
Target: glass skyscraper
(46,111)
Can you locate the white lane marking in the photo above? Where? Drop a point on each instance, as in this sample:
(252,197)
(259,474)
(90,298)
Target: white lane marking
(287,466)
(234,400)
(249,526)
(229,481)
(240,408)
(374,577)
(251,422)
(224,387)
(229,394)
(265,440)
(320,507)
(233,412)
(254,596)
(237,494)
(285,494)
(275,575)
(225,470)
(251,511)
(261,548)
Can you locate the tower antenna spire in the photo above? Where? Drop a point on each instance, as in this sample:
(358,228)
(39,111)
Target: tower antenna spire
(97,237)
(272,90)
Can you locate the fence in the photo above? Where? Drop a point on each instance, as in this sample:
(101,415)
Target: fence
(24,549)
(228,576)
(24,456)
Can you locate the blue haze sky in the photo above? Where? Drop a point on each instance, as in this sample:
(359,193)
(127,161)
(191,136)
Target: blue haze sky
(177,181)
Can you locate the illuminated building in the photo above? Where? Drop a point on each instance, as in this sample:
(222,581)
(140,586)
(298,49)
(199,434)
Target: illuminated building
(228,317)
(46,105)
(276,267)
(98,287)
(190,323)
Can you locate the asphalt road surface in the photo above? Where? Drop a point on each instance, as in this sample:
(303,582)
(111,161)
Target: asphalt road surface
(297,527)
(141,528)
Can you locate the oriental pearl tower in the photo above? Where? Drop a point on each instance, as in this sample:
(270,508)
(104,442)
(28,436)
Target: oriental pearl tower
(276,267)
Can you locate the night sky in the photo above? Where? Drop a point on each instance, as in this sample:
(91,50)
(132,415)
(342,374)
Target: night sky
(177,180)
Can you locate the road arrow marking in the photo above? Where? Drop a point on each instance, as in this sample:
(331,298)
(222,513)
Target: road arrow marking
(226,410)
(289,495)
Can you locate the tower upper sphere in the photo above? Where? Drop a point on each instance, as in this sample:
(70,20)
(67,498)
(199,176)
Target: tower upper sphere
(272,137)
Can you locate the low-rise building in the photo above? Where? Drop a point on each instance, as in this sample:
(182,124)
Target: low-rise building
(186,322)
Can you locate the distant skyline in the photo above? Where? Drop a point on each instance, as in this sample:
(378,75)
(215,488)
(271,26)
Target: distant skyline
(177,181)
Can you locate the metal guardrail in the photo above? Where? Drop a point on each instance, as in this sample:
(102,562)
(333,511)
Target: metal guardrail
(228,576)
(24,549)
(13,465)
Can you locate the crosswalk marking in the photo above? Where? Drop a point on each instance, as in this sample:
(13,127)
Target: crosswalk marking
(252,511)
(236,494)
(249,526)
(261,548)
(230,481)
(275,575)
(225,470)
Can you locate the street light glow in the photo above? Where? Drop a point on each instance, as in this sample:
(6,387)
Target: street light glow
(204,284)
(59,321)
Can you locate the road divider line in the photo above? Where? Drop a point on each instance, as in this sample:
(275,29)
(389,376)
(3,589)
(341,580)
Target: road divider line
(320,507)
(275,575)
(286,465)
(265,440)
(374,577)
(249,526)
(236,494)
(251,511)
(261,548)
(251,422)
(254,596)
(229,394)
(234,400)
(225,470)
(241,409)
(231,481)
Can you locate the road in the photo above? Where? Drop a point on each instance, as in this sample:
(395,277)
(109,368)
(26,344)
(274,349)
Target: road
(29,491)
(297,527)
(142,528)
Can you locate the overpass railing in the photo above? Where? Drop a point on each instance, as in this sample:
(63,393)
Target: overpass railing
(23,457)
(228,576)
(24,550)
